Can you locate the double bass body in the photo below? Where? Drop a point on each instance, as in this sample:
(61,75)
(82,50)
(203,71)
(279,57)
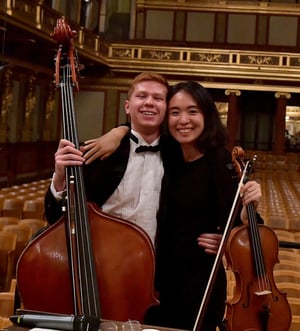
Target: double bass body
(124,261)
(257,304)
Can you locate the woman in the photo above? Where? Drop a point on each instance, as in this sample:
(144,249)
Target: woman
(198,190)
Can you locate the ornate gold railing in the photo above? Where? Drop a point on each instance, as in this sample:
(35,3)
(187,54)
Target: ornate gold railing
(207,64)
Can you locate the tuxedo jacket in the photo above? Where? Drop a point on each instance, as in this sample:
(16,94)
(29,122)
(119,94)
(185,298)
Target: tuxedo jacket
(101,178)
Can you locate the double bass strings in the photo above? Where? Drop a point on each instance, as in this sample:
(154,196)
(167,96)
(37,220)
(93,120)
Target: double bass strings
(81,252)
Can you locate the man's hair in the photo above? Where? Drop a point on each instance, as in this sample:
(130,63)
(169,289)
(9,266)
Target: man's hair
(147,76)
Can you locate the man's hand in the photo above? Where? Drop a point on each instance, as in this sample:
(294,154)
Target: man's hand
(66,155)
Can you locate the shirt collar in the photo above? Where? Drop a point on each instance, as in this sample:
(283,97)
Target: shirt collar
(139,140)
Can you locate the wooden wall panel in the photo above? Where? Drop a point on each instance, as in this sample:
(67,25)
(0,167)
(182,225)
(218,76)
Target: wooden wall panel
(283,31)
(159,25)
(25,162)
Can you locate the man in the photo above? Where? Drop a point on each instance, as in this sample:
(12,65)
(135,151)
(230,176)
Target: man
(126,184)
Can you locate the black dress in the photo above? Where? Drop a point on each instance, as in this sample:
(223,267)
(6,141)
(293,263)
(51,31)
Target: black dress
(196,198)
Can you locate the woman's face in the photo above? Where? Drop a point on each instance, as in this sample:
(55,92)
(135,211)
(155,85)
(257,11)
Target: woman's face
(185,118)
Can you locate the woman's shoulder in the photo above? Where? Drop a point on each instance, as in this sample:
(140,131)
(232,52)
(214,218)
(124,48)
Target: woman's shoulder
(220,153)
(221,162)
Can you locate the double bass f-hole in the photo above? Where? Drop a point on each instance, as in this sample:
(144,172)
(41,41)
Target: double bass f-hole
(251,253)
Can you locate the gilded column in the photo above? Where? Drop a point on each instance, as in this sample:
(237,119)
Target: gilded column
(6,104)
(30,105)
(233,117)
(49,122)
(279,143)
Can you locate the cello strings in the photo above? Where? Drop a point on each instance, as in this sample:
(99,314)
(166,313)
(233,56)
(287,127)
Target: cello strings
(258,253)
(256,242)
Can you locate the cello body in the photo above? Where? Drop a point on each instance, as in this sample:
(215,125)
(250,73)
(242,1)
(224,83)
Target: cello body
(124,261)
(252,308)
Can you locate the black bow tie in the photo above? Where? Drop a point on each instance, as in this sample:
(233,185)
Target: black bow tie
(143,148)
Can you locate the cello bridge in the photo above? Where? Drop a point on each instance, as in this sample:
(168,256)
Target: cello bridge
(264,292)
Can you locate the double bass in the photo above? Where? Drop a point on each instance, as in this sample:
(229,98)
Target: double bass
(88,263)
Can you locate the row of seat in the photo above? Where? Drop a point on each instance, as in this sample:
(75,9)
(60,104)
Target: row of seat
(279,204)
(24,201)
(14,236)
(27,188)
(265,160)
(31,208)
(280,209)
(21,217)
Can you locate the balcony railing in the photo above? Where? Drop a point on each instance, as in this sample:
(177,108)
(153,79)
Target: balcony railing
(214,64)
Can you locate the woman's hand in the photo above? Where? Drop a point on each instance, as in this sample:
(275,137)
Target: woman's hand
(210,242)
(103,146)
(250,192)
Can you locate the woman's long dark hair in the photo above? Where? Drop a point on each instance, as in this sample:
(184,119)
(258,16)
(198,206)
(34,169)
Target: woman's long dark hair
(214,133)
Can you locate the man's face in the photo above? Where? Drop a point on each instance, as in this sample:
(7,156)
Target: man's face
(147,106)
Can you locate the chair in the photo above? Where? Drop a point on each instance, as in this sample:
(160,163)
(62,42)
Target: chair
(7,251)
(285,264)
(295,305)
(7,303)
(285,275)
(289,254)
(6,220)
(35,224)
(2,198)
(292,289)
(33,208)
(24,233)
(295,323)
(12,207)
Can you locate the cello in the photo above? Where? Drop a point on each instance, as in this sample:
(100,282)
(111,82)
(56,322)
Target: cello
(251,253)
(89,262)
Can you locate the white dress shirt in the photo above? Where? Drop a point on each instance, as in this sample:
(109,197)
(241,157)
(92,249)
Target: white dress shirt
(137,197)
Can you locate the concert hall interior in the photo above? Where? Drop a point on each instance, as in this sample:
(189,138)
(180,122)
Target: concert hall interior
(246,53)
